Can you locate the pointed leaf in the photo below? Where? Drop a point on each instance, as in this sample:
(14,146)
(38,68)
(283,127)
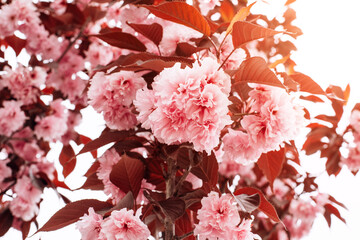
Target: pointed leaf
(244,32)
(67,160)
(106,137)
(127,174)
(182,13)
(255,70)
(122,40)
(265,206)
(186,50)
(271,164)
(154,32)
(16,43)
(227,10)
(307,84)
(240,16)
(93,182)
(71,213)
(85,140)
(173,207)
(6,219)
(330,209)
(207,170)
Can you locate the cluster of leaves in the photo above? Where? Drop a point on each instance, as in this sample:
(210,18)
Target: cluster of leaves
(167,167)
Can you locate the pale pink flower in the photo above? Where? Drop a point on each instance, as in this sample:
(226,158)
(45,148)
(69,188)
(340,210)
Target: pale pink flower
(24,84)
(98,54)
(189,105)
(236,58)
(50,128)
(243,231)
(29,149)
(26,190)
(280,189)
(89,226)
(297,228)
(217,217)
(352,161)
(11,117)
(304,210)
(107,161)
(124,225)
(238,146)
(355,120)
(194,180)
(113,95)
(207,5)
(73,88)
(145,103)
(23,208)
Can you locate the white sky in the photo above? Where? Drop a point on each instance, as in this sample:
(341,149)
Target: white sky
(329,52)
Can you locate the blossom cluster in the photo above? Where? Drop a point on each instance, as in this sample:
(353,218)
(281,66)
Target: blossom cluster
(352,161)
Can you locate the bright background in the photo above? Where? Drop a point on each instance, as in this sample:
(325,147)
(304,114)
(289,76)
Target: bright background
(329,52)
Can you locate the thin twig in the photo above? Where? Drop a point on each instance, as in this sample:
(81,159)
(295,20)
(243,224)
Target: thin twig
(226,59)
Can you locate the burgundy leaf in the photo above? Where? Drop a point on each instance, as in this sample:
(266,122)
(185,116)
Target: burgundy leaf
(6,219)
(265,206)
(207,170)
(173,207)
(255,70)
(154,31)
(127,174)
(271,164)
(93,182)
(67,159)
(122,40)
(307,84)
(244,32)
(182,13)
(72,212)
(16,43)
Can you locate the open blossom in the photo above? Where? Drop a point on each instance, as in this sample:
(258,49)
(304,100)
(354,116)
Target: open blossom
(238,147)
(89,225)
(355,121)
(243,231)
(5,172)
(11,117)
(353,159)
(113,95)
(187,105)
(207,5)
(23,84)
(277,118)
(218,217)
(303,209)
(124,225)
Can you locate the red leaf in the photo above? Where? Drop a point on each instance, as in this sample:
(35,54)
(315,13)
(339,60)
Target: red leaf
(122,40)
(184,225)
(227,10)
(288,2)
(244,32)
(92,182)
(265,206)
(186,50)
(85,140)
(16,43)
(311,98)
(207,170)
(255,70)
(106,137)
(127,174)
(6,219)
(173,207)
(271,164)
(154,32)
(182,13)
(71,213)
(330,209)
(67,159)
(307,84)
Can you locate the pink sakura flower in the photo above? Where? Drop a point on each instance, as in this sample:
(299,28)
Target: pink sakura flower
(218,217)
(243,232)
(107,161)
(277,118)
(280,189)
(113,95)
(50,128)
(24,84)
(355,121)
(353,160)
(73,88)
(98,54)
(238,146)
(304,210)
(26,149)
(297,228)
(207,5)
(124,225)
(11,117)
(89,226)
(25,205)
(187,105)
